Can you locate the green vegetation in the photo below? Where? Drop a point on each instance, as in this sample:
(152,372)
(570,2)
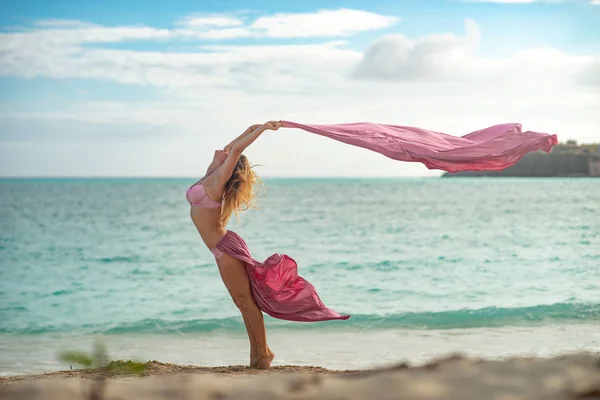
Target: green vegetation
(570,147)
(565,159)
(99,361)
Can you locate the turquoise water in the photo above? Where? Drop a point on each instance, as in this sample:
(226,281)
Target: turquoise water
(121,258)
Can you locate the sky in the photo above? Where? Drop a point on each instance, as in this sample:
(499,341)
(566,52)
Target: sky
(152,88)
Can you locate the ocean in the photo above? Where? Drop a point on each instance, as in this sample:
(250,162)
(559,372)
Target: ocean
(425,267)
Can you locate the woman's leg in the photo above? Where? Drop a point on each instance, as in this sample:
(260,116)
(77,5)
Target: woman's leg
(253,348)
(233,273)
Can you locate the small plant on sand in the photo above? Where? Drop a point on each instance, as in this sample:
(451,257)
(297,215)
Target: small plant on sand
(99,361)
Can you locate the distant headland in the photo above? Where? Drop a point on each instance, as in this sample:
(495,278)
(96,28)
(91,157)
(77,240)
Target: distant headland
(565,159)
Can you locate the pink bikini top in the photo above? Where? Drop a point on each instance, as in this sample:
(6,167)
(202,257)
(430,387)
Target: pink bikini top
(197,197)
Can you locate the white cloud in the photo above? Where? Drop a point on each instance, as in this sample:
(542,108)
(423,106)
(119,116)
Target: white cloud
(590,76)
(247,67)
(218,34)
(322,23)
(176,136)
(447,57)
(438,56)
(56,48)
(505,1)
(61,53)
(62,23)
(209,20)
(595,2)
(530,1)
(39,43)
(440,81)
(517,1)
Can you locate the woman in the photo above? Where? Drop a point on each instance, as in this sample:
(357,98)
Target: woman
(226,188)
(274,286)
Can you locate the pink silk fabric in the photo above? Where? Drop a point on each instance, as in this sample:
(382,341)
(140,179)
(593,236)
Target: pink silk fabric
(494,148)
(276,286)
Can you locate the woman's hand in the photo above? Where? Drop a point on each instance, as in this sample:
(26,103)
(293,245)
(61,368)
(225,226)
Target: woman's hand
(273,125)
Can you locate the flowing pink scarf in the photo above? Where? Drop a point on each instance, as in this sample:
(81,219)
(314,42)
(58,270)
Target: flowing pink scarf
(276,286)
(494,148)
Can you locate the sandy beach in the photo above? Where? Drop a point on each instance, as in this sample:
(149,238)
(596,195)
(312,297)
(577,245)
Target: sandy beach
(155,368)
(572,376)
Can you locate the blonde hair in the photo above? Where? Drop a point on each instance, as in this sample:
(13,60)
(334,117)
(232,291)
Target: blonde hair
(239,192)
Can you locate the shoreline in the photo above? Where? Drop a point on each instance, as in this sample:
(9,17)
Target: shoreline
(40,354)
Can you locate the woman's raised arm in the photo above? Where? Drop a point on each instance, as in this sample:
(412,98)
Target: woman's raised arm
(223,173)
(246,132)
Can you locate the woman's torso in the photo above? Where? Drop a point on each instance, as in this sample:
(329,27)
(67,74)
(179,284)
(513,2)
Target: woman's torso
(205,213)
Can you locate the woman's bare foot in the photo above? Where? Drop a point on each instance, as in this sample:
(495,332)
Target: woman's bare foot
(270,355)
(263,363)
(254,357)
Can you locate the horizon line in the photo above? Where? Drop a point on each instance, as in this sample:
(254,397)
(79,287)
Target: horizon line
(195,177)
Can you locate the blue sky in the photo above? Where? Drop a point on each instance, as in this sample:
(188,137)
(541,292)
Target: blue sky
(149,88)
